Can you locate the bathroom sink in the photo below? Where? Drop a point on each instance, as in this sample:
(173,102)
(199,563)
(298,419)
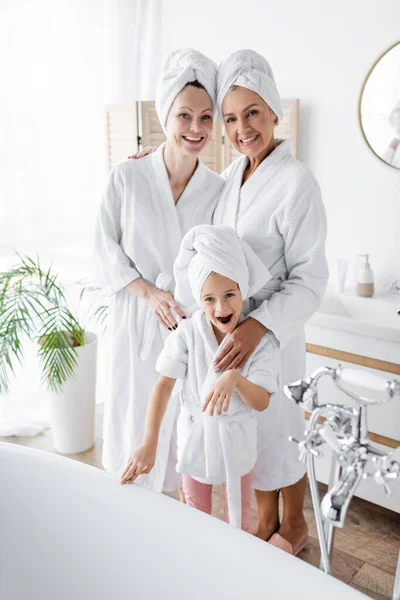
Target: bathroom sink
(374,317)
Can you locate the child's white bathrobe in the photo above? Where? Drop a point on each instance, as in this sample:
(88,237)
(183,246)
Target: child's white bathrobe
(215,449)
(280,214)
(138,234)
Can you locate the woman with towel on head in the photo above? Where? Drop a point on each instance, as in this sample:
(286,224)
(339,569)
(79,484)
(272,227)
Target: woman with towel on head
(274,203)
(217,430)
(148,207)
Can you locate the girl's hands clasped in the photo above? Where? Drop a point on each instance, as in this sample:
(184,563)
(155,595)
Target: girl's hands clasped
(220,396)
(141,462)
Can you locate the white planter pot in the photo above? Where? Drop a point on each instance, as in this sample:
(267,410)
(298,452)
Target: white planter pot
(72,411)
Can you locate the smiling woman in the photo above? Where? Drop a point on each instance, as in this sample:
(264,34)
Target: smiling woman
(189,128)
(251,128)
(147,208)
(185,107)
(274,203)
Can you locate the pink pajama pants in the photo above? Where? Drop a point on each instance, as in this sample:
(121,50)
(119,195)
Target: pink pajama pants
(198,495)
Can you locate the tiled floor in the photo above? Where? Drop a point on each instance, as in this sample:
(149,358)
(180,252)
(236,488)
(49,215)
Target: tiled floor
(366,550)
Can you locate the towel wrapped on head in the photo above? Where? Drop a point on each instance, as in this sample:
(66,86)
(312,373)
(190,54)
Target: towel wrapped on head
(248,69)
(207,249)
(180,68)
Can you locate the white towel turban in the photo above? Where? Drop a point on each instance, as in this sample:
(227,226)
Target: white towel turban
(181,67)
(216,248)
(250,70)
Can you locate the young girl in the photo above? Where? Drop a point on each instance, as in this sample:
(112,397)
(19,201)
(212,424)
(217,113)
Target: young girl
(217,430)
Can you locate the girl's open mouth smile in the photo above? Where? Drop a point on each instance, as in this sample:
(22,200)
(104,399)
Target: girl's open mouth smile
(225,320)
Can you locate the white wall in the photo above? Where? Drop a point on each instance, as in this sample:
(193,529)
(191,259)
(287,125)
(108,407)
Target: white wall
(320,53)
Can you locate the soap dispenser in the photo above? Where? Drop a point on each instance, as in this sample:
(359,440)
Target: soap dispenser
(365,278)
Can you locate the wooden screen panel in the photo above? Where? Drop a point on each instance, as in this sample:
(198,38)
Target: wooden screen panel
(153,135)
(151,131)
(287,128)
(121,132)
(212,153)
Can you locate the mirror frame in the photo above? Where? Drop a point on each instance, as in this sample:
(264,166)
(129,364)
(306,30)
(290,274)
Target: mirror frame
(360,101)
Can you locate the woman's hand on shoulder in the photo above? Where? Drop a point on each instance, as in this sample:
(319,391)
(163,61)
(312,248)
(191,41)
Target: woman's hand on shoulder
(240,346)
(220,396)
(144,152)
(140,462)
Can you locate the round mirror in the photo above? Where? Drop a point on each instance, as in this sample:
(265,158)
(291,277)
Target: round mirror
(379,107)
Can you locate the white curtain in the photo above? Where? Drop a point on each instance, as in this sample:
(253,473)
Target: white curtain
(61,62)
(133,49)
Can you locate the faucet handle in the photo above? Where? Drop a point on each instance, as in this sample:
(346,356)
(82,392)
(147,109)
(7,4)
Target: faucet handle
(395,284)
(306,446)
(387,469)
(327,433)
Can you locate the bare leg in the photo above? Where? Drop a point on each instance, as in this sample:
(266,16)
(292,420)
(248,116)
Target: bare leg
(294,527)
(181,496)
(268,513)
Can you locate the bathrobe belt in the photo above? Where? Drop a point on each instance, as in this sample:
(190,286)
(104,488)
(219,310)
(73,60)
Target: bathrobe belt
(151,324)
(220,448)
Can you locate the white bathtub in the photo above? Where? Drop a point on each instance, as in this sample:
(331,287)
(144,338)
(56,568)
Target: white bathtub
(69,531)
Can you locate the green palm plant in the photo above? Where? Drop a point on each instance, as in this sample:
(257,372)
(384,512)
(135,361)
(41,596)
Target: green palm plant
(33,305)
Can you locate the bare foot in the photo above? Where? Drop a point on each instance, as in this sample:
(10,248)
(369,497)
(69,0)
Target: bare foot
(264,531)
(294,530)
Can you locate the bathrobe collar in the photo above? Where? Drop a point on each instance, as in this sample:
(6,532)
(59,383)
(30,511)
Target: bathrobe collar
(163,184)
(252,185)
(196,183)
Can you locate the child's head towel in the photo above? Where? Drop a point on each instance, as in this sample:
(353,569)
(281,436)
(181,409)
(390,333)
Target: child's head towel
(207,249)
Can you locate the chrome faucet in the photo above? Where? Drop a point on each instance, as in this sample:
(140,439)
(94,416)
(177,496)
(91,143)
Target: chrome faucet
(354,457)
(394,285)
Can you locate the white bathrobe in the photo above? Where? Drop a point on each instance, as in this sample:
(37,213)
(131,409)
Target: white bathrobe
(138,233)
(280,214)
(215,449)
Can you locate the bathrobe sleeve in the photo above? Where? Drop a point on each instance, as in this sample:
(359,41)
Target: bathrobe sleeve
(264,365)
(173,360)
(113,267)
(303,228)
